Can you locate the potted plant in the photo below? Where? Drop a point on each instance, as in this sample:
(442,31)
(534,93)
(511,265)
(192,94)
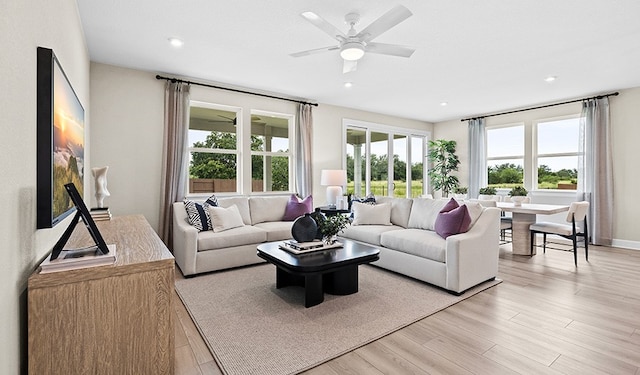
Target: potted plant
(517,194)
(442,155)
(331,226)
(461,192)
(487,193)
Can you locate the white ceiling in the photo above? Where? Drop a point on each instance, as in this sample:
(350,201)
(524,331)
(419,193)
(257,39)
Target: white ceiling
(479,56)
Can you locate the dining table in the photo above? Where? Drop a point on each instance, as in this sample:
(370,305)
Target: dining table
(522,217)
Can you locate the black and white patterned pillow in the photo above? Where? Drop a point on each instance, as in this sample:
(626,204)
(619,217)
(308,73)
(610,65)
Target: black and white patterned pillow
(198,214)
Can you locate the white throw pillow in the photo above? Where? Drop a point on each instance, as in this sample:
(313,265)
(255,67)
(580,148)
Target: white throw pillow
(424,212)
(475,210)
(225,218)
(366,214)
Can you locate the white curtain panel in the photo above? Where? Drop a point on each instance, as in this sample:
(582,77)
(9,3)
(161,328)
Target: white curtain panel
(598,169)
(303,136)
(477,157)
(174,168)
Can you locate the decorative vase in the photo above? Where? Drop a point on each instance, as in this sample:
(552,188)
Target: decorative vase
(517,200)
(304,229)
(318,216)
(330,239)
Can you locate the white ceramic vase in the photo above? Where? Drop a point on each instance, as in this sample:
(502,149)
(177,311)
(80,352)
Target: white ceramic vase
(517,200)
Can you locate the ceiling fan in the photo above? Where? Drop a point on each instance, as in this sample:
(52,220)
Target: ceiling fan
(353,45)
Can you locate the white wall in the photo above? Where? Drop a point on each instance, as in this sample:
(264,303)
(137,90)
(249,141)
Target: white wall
(625,113)
(127,117)
(25,25)
(127,131)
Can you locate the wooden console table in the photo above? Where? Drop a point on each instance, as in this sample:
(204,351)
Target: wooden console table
(115,319)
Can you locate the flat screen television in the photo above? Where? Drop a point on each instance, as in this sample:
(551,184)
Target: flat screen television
(60,140)
(83,213)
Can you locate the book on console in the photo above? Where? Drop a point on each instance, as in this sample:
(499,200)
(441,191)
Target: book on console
(79,258)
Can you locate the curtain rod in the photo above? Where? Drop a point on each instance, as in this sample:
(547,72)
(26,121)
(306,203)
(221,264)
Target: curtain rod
(174,80)
(542,106)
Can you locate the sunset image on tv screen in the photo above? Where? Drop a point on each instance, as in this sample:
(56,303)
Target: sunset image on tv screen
(68,142)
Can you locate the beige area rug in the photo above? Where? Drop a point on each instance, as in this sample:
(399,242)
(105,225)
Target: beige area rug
(253,328)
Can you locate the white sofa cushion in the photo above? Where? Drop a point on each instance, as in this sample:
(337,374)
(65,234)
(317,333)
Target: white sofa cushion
(424,212)
(225,218)
(367,214)
(231,238)
(367,233)
(276,230)
(265,209)
(400,209)
(243,207)
(418,242)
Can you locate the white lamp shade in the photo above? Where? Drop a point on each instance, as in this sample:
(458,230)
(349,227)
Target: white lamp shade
(335,179)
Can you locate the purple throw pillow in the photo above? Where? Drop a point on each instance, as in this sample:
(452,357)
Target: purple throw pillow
(296,207)
(453,222)
(450,205)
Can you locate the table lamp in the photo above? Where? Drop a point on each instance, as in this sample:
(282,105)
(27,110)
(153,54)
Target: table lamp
(334,180)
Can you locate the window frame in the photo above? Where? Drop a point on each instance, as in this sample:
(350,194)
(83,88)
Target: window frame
(243,150)
(536,155)
(289,154)
(410,134)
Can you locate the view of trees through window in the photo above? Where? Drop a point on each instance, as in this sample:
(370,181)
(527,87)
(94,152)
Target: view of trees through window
(556,154)
(214,152)
(408,149)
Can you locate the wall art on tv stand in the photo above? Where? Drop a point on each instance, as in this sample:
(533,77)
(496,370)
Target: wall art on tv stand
(60,140)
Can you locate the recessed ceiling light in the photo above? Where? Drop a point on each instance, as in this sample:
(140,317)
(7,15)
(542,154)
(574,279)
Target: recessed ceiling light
(176,42)
(348,84)
(550,78)
(443,104)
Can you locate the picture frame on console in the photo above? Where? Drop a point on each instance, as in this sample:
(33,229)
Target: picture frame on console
(60,141)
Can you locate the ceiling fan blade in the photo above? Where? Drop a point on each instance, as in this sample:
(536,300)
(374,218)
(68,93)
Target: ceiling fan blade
(390,49)
(323,25)
(349,66)
(313,51)
(384,23)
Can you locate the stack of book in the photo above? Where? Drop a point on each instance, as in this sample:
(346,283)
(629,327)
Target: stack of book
(79,258)
(296,247)
(101,213)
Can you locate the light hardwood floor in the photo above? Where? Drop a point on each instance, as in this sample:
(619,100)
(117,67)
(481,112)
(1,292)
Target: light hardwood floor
(547,317)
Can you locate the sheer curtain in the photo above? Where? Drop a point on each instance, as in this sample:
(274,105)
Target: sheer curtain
(176,126)
(304,129)
(597,181)
(477,157)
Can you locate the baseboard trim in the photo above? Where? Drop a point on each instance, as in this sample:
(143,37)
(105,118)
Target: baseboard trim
(633,245)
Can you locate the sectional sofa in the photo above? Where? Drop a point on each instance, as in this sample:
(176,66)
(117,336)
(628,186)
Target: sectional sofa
(403,230)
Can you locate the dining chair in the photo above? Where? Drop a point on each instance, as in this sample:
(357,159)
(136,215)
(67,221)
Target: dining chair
(504,225)
(577,216)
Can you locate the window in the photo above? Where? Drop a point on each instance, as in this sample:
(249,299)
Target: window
(384,160)
(213,148)
(557,153)
(271,157)
(217,139)
(505,156)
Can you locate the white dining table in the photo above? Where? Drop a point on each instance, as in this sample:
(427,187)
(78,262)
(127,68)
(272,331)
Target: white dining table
(523,217)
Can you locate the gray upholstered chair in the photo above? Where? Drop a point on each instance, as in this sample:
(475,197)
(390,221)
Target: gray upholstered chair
(577,217)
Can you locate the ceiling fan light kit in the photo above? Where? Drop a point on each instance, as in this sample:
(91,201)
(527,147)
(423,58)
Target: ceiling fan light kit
(353,44)
(352,51)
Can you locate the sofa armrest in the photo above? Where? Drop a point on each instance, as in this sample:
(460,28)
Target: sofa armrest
(185,240)
(472,257)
